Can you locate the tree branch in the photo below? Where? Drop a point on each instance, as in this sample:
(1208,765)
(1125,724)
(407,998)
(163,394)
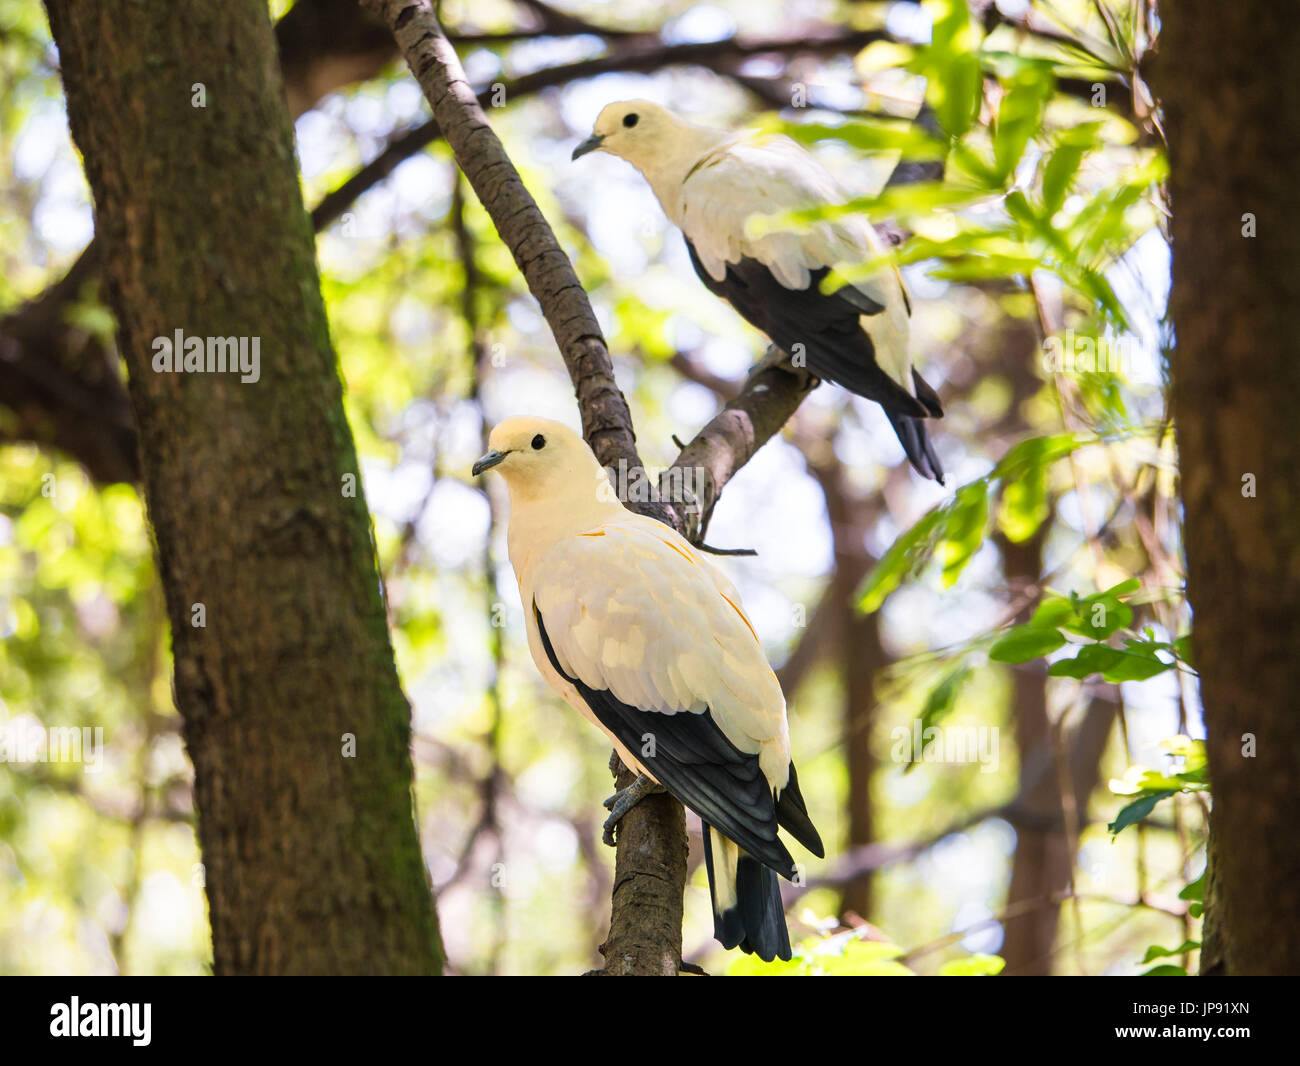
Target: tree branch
(650,866)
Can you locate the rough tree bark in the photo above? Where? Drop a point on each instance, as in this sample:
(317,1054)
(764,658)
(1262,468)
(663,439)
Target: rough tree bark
(59,382)
(312,860)
(1226,77)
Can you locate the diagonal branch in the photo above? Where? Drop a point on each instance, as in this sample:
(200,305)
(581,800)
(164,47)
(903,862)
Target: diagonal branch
(650,867)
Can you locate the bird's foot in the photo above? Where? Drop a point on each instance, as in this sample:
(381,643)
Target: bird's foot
(777,359)
(615,765)
(624,800)
(773,357)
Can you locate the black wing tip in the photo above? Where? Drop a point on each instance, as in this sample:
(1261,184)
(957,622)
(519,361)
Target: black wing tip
(792,816)
(696,763)
(916,443)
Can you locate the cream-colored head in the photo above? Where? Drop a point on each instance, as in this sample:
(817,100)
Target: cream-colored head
(543,459)
(557,488)
(654,140)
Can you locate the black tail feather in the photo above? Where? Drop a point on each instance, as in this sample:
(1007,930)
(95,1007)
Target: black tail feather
(916,443)
(928,397)
(756,923)
(759,894)
(792,816)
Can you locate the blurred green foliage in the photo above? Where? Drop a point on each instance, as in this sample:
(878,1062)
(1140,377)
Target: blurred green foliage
(1048,203)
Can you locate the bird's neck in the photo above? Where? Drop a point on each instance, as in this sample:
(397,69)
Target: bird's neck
(667,171)
(540,519)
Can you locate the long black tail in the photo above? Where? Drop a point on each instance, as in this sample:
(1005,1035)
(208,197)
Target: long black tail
(747,910)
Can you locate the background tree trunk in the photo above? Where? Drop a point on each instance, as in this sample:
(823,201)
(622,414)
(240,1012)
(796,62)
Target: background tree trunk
(312,858)
(1227,80)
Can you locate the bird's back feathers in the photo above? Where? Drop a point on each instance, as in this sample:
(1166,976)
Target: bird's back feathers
(855,336)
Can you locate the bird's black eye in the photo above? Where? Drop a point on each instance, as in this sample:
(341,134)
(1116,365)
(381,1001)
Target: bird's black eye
(630,120)
(539,442)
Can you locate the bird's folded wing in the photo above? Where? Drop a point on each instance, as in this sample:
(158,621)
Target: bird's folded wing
(771,177)
(653,638)
(632,608)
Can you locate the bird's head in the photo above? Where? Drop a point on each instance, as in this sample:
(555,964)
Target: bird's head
(635,130)
(540,458)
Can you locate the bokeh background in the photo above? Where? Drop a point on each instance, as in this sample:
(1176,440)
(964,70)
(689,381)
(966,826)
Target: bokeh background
(931,864)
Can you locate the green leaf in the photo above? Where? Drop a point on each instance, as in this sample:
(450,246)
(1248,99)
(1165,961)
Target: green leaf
(1058,174)
(1026,642)
(1062,164)
(957,526)
(862,958)
(1136,661)
(1137,810)
(1192,752)
(1194,890)
(950,64)
(1020,115)
(1023,505)
(1035,452)
(1101,614)
(1052,611)
(1099,617)
(1166,970)
(904,557)
(943,697)
(753,966)
(1092,659)
(1156,952)
(965,529)
(973,966)
(874,135)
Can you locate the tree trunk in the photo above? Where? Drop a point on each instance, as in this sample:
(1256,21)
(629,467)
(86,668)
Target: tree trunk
(1051,807)
(860,656)
(1227,79)
(312,861)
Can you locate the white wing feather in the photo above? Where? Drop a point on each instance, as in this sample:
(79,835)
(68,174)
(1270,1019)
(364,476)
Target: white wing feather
(630,607)
(746,178)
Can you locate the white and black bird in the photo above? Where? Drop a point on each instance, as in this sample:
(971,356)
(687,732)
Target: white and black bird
(646,639)
(710,183)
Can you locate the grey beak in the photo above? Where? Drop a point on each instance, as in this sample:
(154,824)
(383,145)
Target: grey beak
(589,145)
(487,462)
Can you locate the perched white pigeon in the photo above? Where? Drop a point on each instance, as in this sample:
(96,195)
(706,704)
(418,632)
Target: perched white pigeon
(710,183)
(647,639)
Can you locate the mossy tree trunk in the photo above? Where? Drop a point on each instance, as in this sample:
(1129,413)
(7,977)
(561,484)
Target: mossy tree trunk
(1227,82)
(311,856)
